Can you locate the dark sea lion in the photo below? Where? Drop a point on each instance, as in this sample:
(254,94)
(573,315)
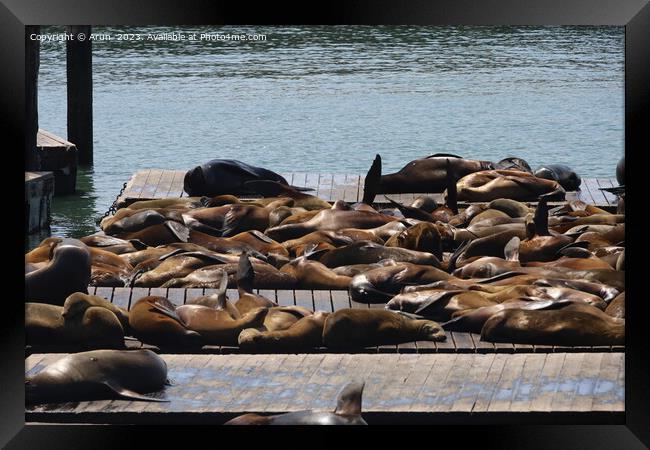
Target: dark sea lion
(575,324)
(561,173)
(352,328)
(141,219)
(67,272)
(490,266)
(303,335)
(422,175)
(94,327)
(620,171)
(364,252)
(226,176)
(437,305)
(617,307)
(79,302)
(422,237)
(513,163)
(347,412)
(98,374)
(152,326)
(540,244)
(425,203)
(489,185)
(381,284)
(329,220)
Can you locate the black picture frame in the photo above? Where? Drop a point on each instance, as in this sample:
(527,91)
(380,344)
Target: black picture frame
(633,14)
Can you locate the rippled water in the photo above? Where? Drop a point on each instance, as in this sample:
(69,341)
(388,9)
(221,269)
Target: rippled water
(326,99)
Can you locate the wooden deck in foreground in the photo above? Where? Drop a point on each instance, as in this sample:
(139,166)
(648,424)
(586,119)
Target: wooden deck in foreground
(158,183)
(210,389)
(457,342)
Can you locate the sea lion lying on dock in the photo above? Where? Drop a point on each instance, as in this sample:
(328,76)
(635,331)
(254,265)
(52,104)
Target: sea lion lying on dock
(226,176)
(153,326)
(347,412)
(98,374)
(561,173)
(488,185)
(575,324)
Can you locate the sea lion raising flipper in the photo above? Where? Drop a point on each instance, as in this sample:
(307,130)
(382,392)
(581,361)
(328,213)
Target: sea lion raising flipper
(347,412)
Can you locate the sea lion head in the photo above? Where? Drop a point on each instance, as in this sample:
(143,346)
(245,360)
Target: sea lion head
(431,331)
(194,181)
(513,163)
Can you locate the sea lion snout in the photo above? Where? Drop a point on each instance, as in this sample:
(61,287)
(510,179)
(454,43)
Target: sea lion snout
(433,332)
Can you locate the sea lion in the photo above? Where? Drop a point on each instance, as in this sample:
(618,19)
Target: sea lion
(153,326)
(364,252)
(422,237)
(94,327)
(78,303)
(511,207)
(226,176)
(314,275)
(436,304)
(245,279)
(347,412)
(113,244)
(607,293)
(141,219)
(350,328)
(297,246)
(617,307)
(489,185)
(620,171)
(328,220)
(513,163)
(303,335)
(381,284)
(540,244)
(67,272)
(575,324)
(98,374)
(300,199)
(561,173)
(428,174)
(160,234)
(356,269)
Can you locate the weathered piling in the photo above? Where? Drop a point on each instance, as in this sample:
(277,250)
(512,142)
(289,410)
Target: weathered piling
(59,156)
(39,188)
(80,91)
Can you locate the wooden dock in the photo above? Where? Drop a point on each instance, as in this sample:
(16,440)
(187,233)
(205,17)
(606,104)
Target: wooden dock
(158,183)
(59,156)
(211,389)
(457,342)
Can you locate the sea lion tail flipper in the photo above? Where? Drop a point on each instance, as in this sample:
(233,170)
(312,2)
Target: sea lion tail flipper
(132,395)
(372,181)
(163,309)
(454,257)
(138,244)
(511,250)
(181,232)
(452,190)
(245,275)
(575,252)
(349,400)
(314,255)
(221,292)
(434,298)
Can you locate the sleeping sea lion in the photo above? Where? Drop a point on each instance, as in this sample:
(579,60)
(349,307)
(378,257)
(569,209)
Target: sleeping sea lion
(561,173)
(153,326)
(303,335)
(490,185)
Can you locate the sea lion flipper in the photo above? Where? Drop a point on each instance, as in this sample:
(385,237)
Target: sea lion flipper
(129,394)
(372,181)
(138,244)
(221,292)
(432,299)
(180,231)
(511,250)
(163,309)
(348,402)
(245,275)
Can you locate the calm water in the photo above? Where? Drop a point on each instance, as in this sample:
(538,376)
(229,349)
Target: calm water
(329,98)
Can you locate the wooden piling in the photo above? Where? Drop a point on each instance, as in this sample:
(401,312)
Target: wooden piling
(32,60)
(80,91)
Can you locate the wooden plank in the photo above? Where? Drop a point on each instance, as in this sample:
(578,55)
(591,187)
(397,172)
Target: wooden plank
(121,297)
(312,181)
(549,381)
(286,298)
(151,184)
(607,183)
(474,378)
(176,185)
(432,389)
(609,393)
(482,346)
(193,293)
(304,298)
(136,184)
(164,184)
(589,370)
(340,300)
(322,300)
(528,385)
(337,191)
(463,342)
(136,294)
(176,296)
(508,383)
(268,294)
(426,346)
(492,377)
(597,195)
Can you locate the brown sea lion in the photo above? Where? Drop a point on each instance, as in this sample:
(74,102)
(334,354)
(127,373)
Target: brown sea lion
(607,293)
(314,275)
(297,246)
(159,234)
(364,252)
(177,266)
(300,199)
(258,241)
(245,279)
(488,185)
(438,305)
(152,326)
(378,234)
(356,269)
(79,302)
(168,203)
(347,412)
(303,335)
(113,244)
(67,272)
(422,237)
(94,327)
(142,219)
(616,308)
(381,284)
(350,328)
(428,174)
(98,374)
(511,207)
(575,324)
(329,219)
